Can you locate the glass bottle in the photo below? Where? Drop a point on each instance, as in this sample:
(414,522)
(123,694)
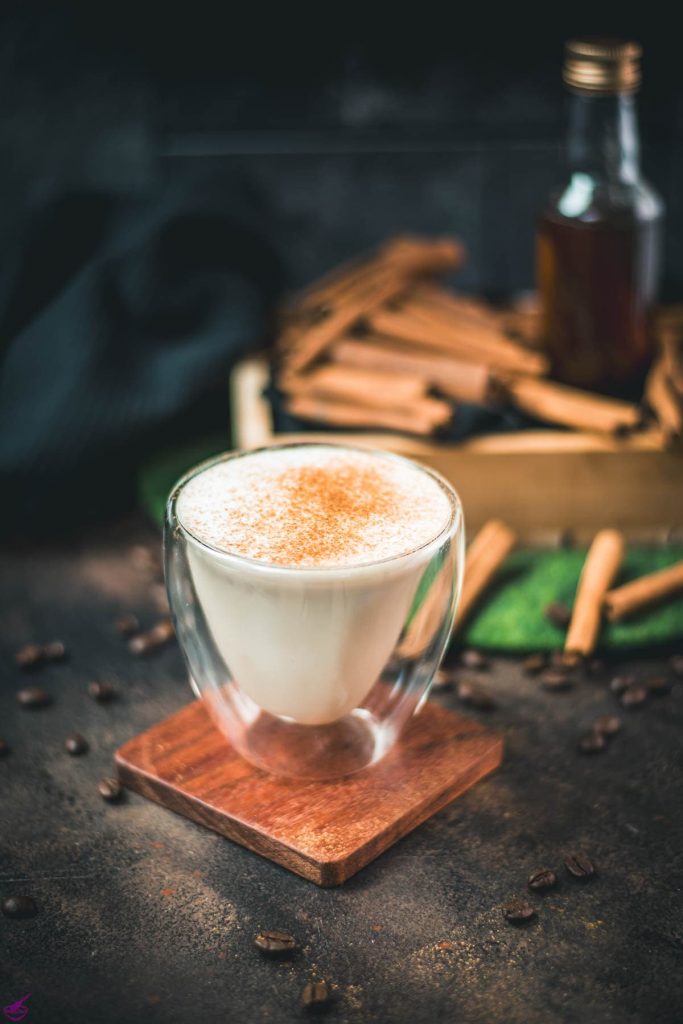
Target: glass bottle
(599,239)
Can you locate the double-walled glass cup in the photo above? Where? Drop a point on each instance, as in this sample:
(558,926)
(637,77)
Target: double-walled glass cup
(312,672)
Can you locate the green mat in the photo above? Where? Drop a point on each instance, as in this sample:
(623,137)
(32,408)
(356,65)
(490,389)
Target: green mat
(511,616)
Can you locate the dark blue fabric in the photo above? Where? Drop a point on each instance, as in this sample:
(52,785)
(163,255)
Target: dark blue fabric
(121,316)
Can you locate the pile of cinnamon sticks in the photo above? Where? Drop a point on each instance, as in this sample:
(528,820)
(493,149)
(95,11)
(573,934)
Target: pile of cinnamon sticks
(596,598)
(378,343)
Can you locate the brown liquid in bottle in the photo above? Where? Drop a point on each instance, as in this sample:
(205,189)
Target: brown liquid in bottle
(597,282)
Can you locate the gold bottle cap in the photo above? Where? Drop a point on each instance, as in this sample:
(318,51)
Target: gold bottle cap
(602,66)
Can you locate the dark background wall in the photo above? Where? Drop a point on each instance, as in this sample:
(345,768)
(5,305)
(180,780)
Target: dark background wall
(351,125)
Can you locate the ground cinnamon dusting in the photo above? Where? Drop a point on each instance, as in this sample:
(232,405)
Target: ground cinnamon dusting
(312,506)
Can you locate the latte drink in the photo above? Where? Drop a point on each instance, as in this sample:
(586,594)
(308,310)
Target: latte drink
(306,562)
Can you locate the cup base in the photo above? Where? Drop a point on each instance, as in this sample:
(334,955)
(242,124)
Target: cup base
(314,752)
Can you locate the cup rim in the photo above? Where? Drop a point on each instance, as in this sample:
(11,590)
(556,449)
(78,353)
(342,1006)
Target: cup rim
(453,524)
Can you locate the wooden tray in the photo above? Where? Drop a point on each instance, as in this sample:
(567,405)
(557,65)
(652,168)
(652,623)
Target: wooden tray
(541,482)
(323,831)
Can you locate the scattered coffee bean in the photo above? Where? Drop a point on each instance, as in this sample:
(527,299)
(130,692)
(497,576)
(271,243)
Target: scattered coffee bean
(634,696)
(607,725)
(592,743)
(276,943)
(4,748)
(32,656)
(76,745)
(518,911)
(542,879)
(474,695)
(596,667)
(570,659)
(315,994)
(127,625)
(55,651)
(621,683)
(19,907)
(101,691)
(579,865)
(442,680)
(676,665)
(658,685)
(534,664)
(33,697)
(559,614)
(156,637)
(474,660)
(110,790)
(556,681)
(29,656)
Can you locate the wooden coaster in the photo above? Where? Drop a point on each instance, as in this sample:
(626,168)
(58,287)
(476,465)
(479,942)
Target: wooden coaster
(323,831)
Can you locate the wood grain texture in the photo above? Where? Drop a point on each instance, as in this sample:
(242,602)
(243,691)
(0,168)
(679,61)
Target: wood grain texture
(324,832)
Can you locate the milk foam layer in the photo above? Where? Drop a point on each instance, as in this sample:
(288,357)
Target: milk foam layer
(314,506)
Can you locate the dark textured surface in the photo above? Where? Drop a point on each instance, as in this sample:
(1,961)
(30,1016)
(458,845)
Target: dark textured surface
(146,916)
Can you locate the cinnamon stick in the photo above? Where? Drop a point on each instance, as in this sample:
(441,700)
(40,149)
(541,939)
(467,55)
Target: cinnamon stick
(422,417)
(601,566)
(663,400)
(376,388)
(459,306)
(368,286)
(672,354)
(466,382)
(485,555)
(642,593)
(571,407)
(313,342)
(467,341)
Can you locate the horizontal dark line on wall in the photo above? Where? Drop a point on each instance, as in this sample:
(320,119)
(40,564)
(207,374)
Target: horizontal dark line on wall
(267,143)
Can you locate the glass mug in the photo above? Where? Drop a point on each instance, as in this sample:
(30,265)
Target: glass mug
(312,672)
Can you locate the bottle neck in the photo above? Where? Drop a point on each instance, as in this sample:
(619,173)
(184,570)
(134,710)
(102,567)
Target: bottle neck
(603,140)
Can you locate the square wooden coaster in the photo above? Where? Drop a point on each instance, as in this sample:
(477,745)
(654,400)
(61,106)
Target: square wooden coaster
(323,831)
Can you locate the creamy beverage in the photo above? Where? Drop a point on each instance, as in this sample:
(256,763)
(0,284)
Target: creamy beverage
(306,561)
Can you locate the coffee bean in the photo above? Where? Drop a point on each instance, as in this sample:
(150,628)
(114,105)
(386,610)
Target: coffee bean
(579,865)
(110,790)
(556,681)
(19,907)
(55,651)
(542,879)
(442,680)
(157,636)
(315,994)
(518,911)
(30,656)
(621,683)
(33,697)
(474,695)
(559,614)
(76,745)
(676,665)
(276,944)
(658,685)
(127,625)
(534,664)
(634,696)
(101,692)
(474,660)
(592,743)
(569,659)
(607,725)
(4,748)
(595,667)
